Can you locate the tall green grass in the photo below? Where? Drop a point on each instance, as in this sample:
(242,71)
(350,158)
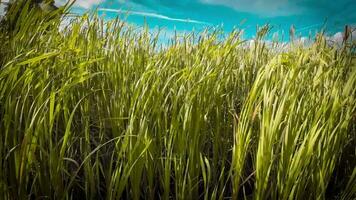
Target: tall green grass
(94,110)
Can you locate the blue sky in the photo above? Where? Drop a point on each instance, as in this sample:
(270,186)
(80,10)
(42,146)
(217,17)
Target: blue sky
(308,16)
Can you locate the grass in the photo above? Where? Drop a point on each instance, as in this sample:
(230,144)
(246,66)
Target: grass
(94,110)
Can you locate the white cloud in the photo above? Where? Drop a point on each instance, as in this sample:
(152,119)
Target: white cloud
(154,15)
(338,38)
(86,4)
(2,10)
(269,8)
(2,7)
(60,2)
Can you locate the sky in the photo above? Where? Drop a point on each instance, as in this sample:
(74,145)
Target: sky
(307,16)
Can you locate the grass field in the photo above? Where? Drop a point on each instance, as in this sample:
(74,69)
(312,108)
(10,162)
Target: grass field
(95,110)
